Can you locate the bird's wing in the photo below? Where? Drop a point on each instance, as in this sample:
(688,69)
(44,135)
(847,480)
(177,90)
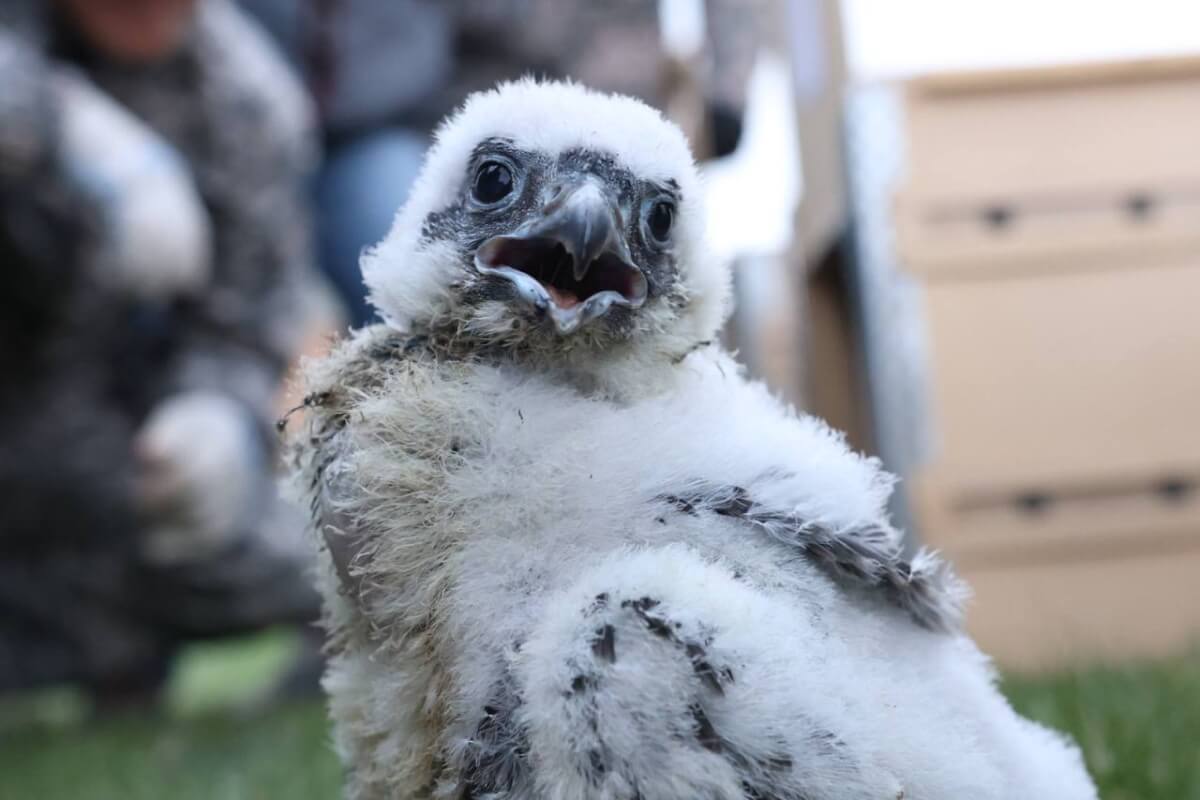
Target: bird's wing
(867,555)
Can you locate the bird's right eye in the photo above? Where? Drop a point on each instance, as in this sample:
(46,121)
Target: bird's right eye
(493,182)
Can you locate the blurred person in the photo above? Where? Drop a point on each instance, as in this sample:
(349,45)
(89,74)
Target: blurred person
(383,74)
(153,241)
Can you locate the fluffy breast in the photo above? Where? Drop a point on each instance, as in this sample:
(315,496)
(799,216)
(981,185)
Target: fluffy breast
(515,482)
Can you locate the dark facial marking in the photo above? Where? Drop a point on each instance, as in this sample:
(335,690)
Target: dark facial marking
(532,178)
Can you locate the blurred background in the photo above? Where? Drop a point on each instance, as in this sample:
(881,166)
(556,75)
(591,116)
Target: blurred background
(968,234)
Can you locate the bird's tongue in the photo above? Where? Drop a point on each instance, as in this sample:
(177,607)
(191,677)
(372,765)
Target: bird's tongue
(563,298)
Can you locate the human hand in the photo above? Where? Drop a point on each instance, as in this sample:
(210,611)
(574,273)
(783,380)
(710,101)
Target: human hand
(197,473)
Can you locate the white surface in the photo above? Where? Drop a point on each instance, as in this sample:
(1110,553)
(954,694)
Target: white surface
(751,195)
(683,27)
(889,39)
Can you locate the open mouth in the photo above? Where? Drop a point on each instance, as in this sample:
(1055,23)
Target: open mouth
(546,276)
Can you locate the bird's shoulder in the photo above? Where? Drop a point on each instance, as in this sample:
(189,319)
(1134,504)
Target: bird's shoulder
(397,396)
(367,432)
(372,363)
(786,478)
(341,394)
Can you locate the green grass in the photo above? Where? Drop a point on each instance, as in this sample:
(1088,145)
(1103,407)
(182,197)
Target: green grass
(1139,728)
(213,740)
(280,755)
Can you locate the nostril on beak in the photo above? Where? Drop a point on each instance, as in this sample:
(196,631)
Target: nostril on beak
(555,199)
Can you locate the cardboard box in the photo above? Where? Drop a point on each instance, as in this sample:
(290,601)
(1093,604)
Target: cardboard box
(1068,166)
(1067,378)
(1056,522)
(1059,613)
(1053,218)
(1062,133)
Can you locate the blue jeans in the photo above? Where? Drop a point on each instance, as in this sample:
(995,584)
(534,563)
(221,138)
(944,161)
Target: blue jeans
(359,190)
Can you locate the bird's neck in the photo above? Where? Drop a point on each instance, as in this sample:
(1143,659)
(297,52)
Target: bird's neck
(623,372)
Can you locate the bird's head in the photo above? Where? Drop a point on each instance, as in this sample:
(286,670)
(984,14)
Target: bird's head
(551,218)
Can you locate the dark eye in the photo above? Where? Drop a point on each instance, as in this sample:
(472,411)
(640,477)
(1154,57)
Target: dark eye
(662,217)
(493,182)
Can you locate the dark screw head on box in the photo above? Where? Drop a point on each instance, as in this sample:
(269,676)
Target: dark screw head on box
(1139,205)
(998,217)
(1175,490)
(1034,502)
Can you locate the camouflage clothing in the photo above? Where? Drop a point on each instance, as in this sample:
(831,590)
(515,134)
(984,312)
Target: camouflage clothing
(384,73)
(409,62)
(613,45)
(84,364)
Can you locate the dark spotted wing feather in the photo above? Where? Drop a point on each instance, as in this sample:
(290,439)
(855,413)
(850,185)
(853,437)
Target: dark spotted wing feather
(924,586)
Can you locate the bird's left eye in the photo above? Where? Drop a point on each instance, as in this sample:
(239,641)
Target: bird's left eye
(660,221)
(493,182)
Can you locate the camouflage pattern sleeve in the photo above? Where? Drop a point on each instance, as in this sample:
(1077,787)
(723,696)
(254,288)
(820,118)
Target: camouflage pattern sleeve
(252,157)
(25,114)
(614,45)
(44,219)
(63,473)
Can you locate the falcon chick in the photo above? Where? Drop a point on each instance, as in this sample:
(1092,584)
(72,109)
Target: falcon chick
(571,552)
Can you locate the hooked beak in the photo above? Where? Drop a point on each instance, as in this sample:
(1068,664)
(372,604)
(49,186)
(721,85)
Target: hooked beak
(571,263)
